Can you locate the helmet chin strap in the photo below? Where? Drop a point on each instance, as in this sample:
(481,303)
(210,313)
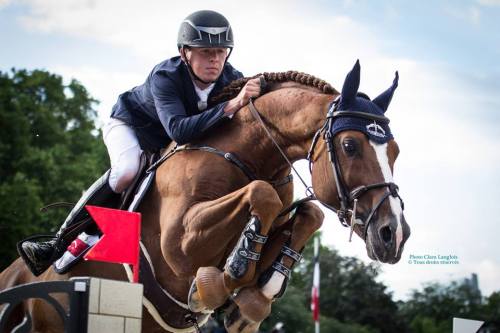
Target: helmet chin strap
(191,71)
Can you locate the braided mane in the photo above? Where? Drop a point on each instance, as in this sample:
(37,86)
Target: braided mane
(231,90)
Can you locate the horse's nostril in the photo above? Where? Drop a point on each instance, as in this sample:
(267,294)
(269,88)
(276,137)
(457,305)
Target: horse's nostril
(386,234)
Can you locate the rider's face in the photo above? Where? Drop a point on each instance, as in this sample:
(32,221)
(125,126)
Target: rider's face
(207,63)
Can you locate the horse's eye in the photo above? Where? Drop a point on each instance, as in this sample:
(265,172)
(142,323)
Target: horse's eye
(349,146)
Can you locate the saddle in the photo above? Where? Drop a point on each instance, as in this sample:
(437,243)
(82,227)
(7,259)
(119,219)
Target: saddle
(145,170)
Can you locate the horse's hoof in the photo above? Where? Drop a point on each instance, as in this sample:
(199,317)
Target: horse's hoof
(207,291)
(253,305)
(235,323)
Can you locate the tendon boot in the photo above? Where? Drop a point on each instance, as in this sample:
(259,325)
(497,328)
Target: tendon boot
(39,255)
(274,280)
(245,251)
(210,289)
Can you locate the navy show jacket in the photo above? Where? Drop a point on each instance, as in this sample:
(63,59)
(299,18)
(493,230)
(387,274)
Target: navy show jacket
(165,107)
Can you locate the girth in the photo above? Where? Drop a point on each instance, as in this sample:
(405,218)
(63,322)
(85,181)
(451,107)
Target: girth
(230,157)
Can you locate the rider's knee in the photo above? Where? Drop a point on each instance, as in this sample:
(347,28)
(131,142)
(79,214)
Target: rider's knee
(124,153)
(123,173)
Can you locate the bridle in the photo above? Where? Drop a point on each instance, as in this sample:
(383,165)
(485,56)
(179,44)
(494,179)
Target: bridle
(348,199)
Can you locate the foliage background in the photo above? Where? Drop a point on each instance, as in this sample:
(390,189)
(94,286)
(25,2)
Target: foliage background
(352,300)
(50,151)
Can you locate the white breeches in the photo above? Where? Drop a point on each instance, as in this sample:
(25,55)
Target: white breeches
(124,153)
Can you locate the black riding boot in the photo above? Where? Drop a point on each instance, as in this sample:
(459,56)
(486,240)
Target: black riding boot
(39,255)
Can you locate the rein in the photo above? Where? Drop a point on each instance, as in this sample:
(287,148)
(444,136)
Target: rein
(348,200)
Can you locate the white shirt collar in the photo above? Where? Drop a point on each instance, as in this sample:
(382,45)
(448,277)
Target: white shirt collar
(203,95)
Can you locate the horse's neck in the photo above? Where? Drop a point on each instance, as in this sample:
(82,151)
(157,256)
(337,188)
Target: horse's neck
(293,115)
(297,114)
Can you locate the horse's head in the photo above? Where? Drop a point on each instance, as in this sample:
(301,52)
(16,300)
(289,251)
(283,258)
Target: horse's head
(354,170)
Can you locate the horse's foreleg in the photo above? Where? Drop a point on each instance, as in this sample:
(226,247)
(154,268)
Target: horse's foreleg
(247,213)
(307,220)
(253,304)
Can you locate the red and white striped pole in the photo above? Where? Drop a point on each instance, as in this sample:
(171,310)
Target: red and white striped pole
(315,286)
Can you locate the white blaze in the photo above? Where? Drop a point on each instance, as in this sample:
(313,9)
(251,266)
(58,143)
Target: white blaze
(383,161)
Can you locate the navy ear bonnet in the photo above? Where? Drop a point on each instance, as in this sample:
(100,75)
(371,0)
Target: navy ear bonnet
(352,100)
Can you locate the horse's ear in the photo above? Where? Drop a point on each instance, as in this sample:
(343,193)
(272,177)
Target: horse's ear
(384,99)
(351,84)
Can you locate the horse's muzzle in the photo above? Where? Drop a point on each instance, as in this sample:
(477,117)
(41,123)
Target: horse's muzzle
(385,239)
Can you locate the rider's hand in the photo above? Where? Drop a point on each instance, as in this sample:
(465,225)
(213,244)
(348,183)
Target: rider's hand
(251,89)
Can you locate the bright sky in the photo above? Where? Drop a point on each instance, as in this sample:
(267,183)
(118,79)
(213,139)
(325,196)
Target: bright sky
(445,114)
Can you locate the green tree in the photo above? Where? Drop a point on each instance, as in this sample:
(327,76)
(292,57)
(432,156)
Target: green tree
(432,309)
(492,312)
(50,150)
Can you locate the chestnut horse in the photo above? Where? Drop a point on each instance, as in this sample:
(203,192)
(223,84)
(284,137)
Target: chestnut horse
(215,237)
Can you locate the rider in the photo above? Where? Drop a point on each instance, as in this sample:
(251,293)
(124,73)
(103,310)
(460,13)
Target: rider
(172,104)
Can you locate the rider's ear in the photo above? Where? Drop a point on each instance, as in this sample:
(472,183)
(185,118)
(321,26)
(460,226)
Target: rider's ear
(384,99)
(351,86)
(183,52)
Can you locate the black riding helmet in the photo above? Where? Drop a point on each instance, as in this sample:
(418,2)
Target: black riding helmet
(205,28)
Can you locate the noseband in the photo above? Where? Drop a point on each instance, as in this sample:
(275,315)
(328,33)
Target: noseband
(348,200)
